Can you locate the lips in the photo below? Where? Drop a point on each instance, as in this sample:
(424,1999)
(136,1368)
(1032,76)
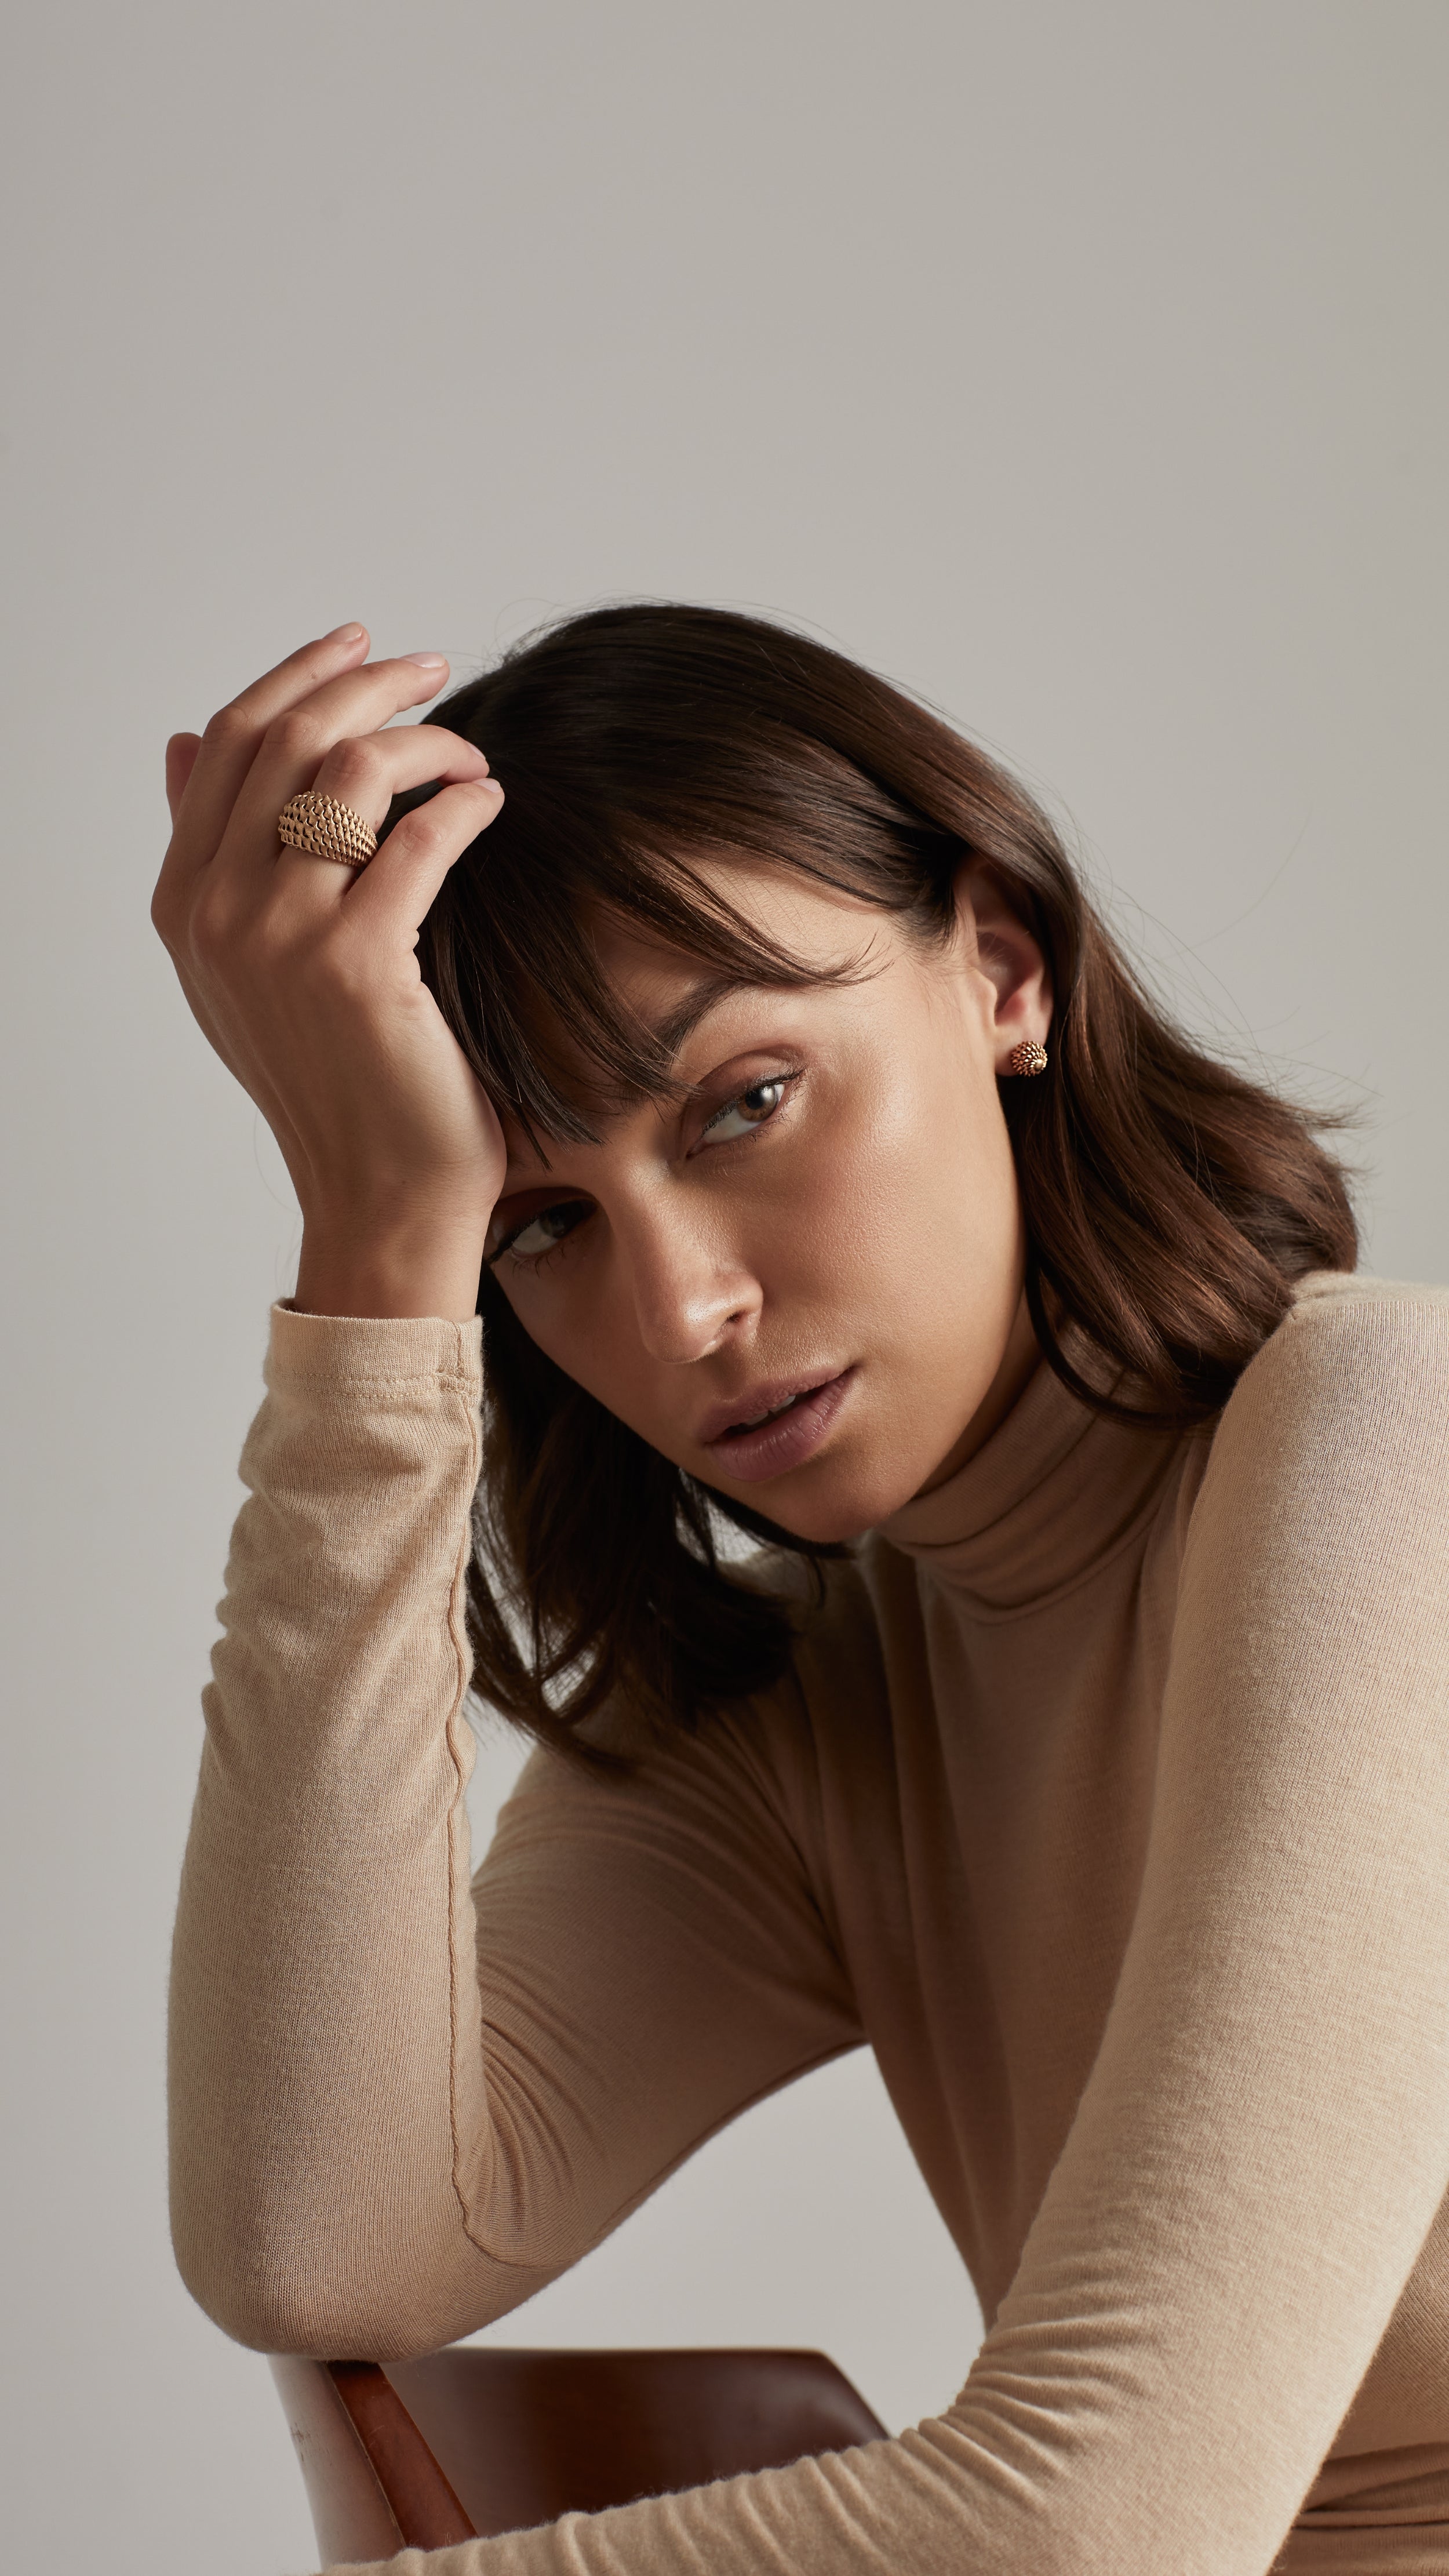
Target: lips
(756,1404)
(771,1428)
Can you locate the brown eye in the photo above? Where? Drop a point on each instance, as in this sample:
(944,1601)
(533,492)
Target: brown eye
(540,1232)
(750,1109)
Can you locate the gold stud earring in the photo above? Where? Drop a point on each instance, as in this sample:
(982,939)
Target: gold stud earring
(1027,1058)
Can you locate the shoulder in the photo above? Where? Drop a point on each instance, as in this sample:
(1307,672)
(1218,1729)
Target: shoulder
(1352,1353)
(1342,1418)
(1348,1301)
(1312,1606)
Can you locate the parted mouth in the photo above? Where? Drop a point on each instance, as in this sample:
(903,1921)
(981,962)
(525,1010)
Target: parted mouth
(757,1405)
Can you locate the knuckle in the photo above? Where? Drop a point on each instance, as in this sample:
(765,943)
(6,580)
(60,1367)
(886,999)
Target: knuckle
(262,940)
(420,835)
(448,822)
(213,924)
(229,725)
(295,736)
(351,769)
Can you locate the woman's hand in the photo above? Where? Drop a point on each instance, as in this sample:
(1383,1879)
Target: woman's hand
(304,974)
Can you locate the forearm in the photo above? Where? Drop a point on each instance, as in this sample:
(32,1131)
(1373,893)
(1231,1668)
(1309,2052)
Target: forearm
(324,2005)
(400,2104)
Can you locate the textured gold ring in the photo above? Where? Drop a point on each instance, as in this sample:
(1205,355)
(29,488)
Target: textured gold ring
(326,829)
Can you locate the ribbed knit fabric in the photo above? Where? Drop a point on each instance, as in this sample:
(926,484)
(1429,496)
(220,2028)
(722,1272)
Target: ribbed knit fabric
(1108,1801)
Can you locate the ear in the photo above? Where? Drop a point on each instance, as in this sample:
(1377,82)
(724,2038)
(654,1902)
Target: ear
(1008,957)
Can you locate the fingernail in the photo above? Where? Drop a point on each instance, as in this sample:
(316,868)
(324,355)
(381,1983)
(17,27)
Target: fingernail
(345,634)
(428,661)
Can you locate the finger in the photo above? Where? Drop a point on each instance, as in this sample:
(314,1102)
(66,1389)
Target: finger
(181,753)
(229,744)
(415,858)
(366,772)
(294,746)
(181,761)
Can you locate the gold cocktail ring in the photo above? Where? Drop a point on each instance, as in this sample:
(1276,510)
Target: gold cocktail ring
(326,829)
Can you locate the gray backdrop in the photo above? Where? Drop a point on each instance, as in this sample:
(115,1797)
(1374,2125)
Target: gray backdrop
(1080,366)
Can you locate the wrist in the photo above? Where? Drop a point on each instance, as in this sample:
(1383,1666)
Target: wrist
(409,1265)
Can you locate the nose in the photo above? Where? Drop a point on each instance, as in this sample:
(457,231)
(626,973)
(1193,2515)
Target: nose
(690,1293)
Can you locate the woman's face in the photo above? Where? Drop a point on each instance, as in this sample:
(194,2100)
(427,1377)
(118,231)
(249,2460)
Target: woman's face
(827,1232)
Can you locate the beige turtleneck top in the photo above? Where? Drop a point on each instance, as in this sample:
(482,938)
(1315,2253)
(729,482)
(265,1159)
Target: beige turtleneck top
(1108,1802)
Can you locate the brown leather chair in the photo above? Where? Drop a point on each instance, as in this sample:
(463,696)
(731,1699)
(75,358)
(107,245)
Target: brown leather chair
(477,2440)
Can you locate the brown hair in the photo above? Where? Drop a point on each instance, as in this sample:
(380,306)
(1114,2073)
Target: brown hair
(1170,1203)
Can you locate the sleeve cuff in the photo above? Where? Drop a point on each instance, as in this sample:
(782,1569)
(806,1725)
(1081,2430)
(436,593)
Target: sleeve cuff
(352,1351)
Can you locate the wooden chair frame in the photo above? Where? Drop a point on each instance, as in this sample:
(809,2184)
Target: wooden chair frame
(480,2439)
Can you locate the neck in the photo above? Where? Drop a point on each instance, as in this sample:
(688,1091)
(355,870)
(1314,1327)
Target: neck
(1019,1362)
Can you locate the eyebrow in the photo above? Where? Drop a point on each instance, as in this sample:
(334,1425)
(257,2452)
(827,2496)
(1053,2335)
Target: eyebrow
(670,1032)
(695,1004)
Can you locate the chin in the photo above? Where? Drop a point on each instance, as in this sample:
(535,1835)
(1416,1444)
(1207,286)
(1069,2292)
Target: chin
(834,1509)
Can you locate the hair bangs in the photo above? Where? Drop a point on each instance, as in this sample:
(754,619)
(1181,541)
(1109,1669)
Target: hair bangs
(510,945)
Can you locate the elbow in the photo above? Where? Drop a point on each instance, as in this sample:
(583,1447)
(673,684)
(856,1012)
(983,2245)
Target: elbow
(270,2306)
(333,2303)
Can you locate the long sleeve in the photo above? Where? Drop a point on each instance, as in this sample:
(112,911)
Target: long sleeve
(1263,2142)
(397,2110)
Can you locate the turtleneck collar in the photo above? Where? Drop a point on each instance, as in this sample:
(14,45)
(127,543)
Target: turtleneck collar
(1053,1493)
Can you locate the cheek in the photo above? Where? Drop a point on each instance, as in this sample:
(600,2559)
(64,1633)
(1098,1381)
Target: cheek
(576,1331)
(916,1207)
(587,1325)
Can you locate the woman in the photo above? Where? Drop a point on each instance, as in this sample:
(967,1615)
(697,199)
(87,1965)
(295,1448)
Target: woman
(826,1174)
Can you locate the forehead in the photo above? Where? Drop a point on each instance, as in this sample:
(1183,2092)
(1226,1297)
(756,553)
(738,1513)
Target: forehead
(814,926)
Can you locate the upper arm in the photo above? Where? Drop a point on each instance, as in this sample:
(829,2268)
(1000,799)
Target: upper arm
(651,1958)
